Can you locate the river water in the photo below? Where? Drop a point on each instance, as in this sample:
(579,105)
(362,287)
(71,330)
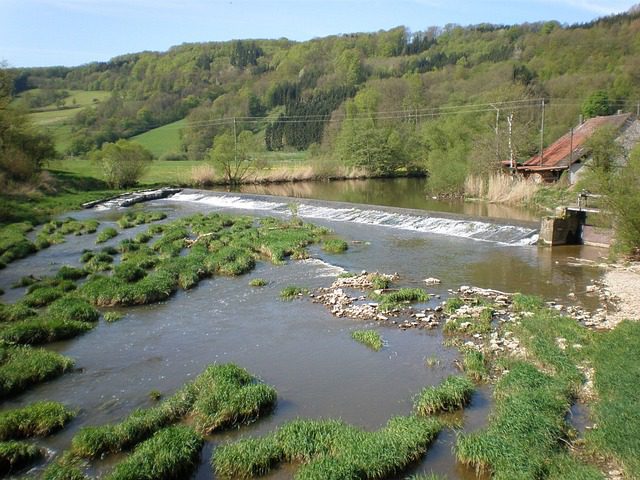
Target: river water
(298,347)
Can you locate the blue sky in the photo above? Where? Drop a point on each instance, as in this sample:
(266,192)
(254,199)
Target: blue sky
(73,32)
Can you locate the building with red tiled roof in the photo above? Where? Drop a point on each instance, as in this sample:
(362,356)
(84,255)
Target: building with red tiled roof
(570,151)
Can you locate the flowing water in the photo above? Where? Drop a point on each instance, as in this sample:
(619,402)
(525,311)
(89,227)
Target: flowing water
(298,347)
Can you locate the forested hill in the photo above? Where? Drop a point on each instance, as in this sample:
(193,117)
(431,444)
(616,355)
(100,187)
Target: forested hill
(392,97)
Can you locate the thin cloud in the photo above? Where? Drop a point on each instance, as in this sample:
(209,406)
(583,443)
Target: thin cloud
(597,7)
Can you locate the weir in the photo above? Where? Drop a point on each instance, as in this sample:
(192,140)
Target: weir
(488,230)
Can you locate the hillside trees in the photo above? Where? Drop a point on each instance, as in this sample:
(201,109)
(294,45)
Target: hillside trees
(23,149)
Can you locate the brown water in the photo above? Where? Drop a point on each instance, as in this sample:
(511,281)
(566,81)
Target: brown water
(298,347)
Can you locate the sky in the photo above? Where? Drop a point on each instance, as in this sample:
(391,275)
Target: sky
(73,32)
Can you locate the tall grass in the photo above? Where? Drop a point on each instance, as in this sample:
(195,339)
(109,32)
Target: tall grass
(22,367)
(524,438)
(453,393)
(171,453)
(106,234)
(36,420)
(616,360)
(39,330)
(502,188)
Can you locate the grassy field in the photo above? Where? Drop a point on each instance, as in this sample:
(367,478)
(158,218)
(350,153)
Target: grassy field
(165,172)
(56,120)
(163,139)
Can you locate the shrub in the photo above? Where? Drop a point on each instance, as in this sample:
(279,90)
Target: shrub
(123,162)
(37,420)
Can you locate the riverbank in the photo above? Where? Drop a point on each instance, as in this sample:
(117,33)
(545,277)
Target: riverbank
(623,282)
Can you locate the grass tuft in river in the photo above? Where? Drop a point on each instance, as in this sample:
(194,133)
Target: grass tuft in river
(398,298)
(133,219)
(222,396)
(16,455)
(22,367)
(106,235)
(370,338)
(292,291)
(330,449)
(335,245)
(171,453)
(453,393)
(36,420)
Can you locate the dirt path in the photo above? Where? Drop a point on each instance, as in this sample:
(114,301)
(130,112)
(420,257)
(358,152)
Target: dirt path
(624,284)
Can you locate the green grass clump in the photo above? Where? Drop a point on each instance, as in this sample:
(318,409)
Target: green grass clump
(616,360)
(111,317)
(73,308)
(292,291)
(39,330)
(330,449)
(42,296)
(222,396)
(71,273)
(370,338)
(257,282)
(96,261)
(66,467)
(474,364)
(25,281)
(37,420)
(392,300)
(13,242)
(22,367)
(526,303)
(335,245)
(172,453)
(55,231)
(17,455)
(379,282)
(452,304)
(129,272)
(133,219)
(106,234)
(471,325)
(109,291)
(453,393)
(15,312)
(229,396)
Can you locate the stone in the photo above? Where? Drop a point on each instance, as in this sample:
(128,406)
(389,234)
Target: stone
(432,281)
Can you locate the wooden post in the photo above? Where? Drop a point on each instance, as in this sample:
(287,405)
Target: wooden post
(510,122)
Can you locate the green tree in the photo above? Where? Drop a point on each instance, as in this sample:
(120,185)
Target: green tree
(603,149)
(234,159)
(23,149)
(596,104)
(624,203)
(123,162)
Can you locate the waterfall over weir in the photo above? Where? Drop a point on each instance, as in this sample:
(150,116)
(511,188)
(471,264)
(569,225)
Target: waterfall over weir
(399,218)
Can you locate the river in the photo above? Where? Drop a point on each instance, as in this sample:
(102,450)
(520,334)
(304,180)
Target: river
(298,347)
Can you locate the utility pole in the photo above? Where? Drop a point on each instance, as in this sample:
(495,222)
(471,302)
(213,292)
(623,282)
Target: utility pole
(638,110)
(497,132)
(571,149)
(510,123)
(235,143)
(542,136)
